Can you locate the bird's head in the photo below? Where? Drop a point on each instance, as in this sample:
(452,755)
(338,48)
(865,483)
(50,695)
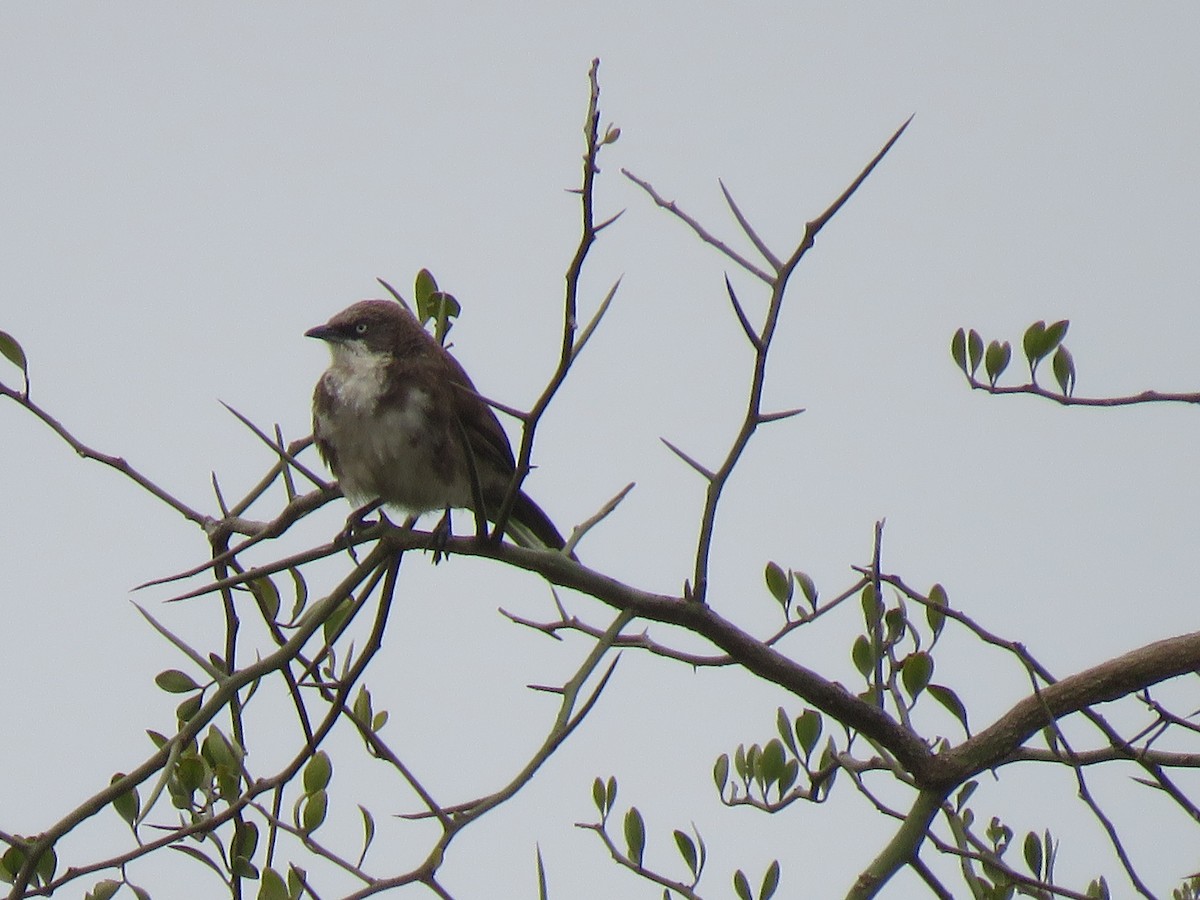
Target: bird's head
(372,328)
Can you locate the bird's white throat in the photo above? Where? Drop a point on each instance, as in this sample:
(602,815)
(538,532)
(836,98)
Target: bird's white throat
(357,375)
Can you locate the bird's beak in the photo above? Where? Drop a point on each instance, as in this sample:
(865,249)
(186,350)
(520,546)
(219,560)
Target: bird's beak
(322,333)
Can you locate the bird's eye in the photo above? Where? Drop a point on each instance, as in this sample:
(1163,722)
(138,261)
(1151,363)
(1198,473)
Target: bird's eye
(360,328)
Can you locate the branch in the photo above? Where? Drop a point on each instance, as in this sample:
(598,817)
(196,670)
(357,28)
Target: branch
(1111,680)
(1036,390)
(673,208)
(114,462)
(569,348)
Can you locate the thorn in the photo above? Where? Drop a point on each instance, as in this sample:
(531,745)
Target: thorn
(687,459)
(763,418)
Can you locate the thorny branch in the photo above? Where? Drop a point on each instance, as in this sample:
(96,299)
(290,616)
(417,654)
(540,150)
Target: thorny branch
(305,657)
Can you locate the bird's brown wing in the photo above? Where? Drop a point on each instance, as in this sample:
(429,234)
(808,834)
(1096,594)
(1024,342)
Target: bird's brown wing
(322,399)
(486,436)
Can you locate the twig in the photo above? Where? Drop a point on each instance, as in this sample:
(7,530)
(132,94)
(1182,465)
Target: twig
(1036,390)
(113,462)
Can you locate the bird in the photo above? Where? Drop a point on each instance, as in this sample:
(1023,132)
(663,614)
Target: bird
(398,421)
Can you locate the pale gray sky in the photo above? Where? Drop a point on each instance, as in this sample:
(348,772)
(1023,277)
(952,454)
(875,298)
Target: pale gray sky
(186,190)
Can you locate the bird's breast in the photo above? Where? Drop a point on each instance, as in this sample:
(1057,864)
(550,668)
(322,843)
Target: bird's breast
(388,444)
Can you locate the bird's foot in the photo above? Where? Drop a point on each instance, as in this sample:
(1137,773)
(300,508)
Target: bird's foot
(355,522)
(441,537)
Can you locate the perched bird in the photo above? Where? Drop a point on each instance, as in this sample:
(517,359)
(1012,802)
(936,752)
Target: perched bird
(392,425)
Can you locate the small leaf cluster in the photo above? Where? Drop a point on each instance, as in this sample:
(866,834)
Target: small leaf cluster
(366,715)
(14,858)
(174,681)
(1039,341)
(435,305)
(774,767)
(782,585)
(312,806)
(691,848)
(274,887)
(995,879)
(203,775)
(1189,890)
(893,657)
(770,882)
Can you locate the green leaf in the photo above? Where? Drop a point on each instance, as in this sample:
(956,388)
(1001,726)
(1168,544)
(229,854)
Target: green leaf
(295,881)
(739,762)
(127,805)
(217,751)
(791,771)
(996,360)
(770,881)
(10,863)
(864,659)
(958,349)
(103,890)
(784,726)
(779,584)
(741,886)
(1064,370)
(807,587)
(949,699)
(610,792)
(687,849)
(808,730)
(337,618)
(999,834)
(598,796)
(444,309)
(267,596)
(1098,889)
(175,682)
(964,794)
(368,832)
(635,835)
(301,587)
(362,705)
(245,839)
(191,771)
(423,291)
(1040,339)
(317,772)
(1032,341)
(721,773)
(11,350)
(872,607)
(315,807)
(753,752)
(895,623)
(915,672)
(974,350)
(243,868)
(934,616)
(770,762)
(46,865)
(1054,335)
(272,887)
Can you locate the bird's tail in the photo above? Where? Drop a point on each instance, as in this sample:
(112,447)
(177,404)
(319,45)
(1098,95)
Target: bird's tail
(530,527)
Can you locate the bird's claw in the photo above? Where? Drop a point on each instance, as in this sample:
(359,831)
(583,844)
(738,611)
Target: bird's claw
(355,522)
(441,537)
